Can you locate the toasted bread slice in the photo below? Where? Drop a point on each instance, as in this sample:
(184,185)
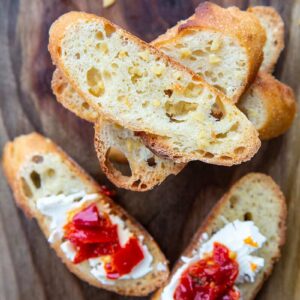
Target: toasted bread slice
(270,105)
(35,167)
(224,46)
(274,27)
(115,144)
(138,87)
(255,197)
(146,169)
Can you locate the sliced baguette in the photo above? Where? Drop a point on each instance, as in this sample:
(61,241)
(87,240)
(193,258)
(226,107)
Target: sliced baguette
(260,114)
(256,197)
(115,144)
(35,167)
(270,105)
(224,46)
(190,119)
(274,27)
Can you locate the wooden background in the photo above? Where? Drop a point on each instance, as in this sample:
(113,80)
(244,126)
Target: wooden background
(29,269)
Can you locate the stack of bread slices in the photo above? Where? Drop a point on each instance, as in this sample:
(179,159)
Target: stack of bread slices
(201,91)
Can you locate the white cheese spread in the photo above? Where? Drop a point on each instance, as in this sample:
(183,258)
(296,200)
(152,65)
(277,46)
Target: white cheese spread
(243,238)
(57,208)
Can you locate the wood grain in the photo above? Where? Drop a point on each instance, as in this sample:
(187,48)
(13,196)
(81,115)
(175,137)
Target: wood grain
(171,212)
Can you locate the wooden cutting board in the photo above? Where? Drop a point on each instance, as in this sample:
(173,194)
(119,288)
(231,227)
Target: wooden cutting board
(29,269)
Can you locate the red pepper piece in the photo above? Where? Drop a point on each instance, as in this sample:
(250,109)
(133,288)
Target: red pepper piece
(91,235)
(86,251)
(211,278)
(87,217)
(125,259)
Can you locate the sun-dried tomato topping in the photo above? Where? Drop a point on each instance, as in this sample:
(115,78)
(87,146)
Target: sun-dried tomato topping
(211,278)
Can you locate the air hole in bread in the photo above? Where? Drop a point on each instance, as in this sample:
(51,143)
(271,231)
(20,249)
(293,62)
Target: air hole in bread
(233,201)
(248,216)
(99,36)
(179,46)
(145,104)
(50,172)
(208,155)
(239,150)
(136,183)
(179,109)
(37,159)
(114,66)
(168,92)
(123,168)
(60,88)
(36,179)
(58,50)
(94,80)
(220,88)
(217,109)
(93,76)
(109,30)
(25,188)
(225,157)
(151,161)
(198,52)
(143,186)
(85,105)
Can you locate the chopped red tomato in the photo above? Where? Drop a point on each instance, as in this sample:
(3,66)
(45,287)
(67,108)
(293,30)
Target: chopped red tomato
(211,278)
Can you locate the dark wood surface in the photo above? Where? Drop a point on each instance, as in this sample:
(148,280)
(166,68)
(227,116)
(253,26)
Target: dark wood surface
(29,269)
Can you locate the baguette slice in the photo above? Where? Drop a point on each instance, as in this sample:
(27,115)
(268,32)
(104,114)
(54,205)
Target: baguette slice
(274,27)
(224,46)
(146,169)
(115,144)
(35,167)
(270,105)
(254,197)
(138,87)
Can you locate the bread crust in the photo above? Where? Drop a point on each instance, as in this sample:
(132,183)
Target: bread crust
(159,145)
(240,25)
(279,104)
(208,226)
(19,152)
(275,21)
(57,31)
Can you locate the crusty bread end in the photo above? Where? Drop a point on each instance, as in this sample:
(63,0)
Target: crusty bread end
(274,27)
(270,105)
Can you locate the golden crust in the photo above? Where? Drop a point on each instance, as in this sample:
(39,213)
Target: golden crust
(208,226)
(21,151)
(57,32)
(276,25)
(279,104)
(233,22)
(159,145)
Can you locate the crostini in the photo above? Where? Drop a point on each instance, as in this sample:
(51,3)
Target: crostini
(96,239)
(234,251)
